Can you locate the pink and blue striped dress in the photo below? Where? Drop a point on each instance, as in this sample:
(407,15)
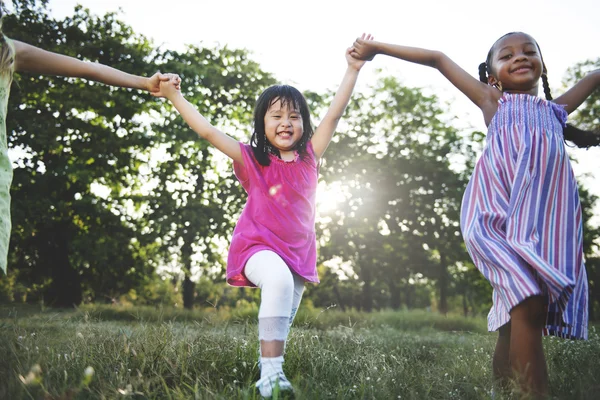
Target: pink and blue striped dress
(521,216)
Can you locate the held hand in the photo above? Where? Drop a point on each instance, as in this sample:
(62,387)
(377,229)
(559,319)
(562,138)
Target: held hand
(153,84)
(363,48)
(352,55)
(168,88)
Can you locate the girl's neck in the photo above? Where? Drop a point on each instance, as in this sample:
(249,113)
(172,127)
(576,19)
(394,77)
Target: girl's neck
(287,156)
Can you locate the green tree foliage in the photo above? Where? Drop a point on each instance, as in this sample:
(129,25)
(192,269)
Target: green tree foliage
(72,134)
(169,200)
(588,117)
(400,221)
(196,198)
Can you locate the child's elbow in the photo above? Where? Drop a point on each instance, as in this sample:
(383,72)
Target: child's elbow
(437,59)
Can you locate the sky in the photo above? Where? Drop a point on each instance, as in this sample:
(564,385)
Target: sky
(303,42)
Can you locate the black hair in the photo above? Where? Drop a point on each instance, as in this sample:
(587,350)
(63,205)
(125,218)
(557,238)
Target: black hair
(289,96)
(579,137)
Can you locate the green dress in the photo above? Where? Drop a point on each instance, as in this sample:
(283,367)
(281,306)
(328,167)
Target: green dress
(6,172)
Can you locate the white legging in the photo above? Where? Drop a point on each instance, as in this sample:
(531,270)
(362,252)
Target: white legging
(281,292)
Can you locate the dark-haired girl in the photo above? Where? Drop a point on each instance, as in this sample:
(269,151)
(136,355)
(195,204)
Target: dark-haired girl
(521,216)
(273,245)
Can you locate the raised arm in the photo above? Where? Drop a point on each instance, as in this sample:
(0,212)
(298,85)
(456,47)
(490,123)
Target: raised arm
(573,97)
(324,132)
(483,95)
(228,145)
(33,59)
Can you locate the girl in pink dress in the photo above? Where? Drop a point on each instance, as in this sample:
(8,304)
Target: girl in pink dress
(273,245)
(521,217)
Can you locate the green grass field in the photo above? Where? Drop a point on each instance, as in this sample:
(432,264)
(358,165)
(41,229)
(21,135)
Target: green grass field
(102,352)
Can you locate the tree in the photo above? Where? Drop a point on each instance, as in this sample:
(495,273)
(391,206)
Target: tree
(71,135)
(588,117)
(399,222)
(196,198)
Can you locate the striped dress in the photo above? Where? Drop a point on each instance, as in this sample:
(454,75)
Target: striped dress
(521,216)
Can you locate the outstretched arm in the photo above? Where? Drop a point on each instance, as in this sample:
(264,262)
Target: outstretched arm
(573,98)
(33,59)
(483,95)
(324,132)
(198,123)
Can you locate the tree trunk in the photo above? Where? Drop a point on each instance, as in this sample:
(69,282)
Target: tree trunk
(336,293)
(65,288)
(395,300)
(367,298)
(443,285)
(187,286)
(188,292)
(465,304)
(409,298)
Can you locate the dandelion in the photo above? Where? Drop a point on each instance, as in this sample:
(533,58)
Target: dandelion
(88,374)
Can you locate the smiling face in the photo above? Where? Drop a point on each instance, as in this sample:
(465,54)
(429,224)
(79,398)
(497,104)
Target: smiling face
(517,63)
(283,126)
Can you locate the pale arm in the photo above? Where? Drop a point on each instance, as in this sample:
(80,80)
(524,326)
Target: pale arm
(573,98)
(228,145)
(35,60)
(324,132)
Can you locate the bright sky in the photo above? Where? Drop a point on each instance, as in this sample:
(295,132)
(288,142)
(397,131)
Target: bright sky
(303,42)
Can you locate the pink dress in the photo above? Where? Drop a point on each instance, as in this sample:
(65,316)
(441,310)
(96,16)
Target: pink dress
(521,216)
(279,214)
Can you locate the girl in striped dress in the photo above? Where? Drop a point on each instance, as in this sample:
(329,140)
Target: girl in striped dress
(521,216)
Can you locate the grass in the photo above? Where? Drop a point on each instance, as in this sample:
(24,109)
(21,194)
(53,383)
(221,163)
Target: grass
(145,353)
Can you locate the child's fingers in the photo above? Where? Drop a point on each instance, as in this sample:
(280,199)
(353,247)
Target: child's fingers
(163,77)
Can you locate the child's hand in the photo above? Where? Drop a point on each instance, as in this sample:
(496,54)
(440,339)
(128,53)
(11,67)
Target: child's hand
(352,56)
(169,88)
(363,48)
(153,83)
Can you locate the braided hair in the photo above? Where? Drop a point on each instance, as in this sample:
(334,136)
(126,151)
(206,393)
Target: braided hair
(579,137)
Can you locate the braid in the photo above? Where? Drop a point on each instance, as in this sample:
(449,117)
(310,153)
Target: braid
(483,72)
(546,85)
(579,137)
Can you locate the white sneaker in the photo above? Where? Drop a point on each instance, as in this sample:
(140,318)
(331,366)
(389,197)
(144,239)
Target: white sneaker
(269,384)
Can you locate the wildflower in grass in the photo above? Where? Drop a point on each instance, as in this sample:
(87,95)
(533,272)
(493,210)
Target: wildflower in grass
(33,377)
(88,375)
